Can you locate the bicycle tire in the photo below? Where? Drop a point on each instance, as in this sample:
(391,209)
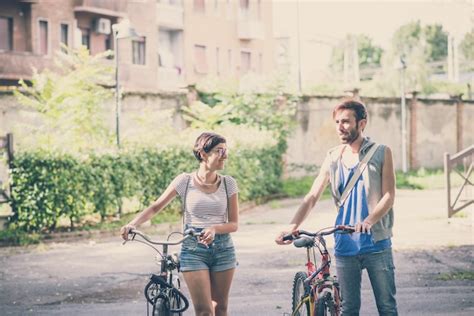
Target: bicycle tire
(298,293)
(325,306)
(176,303)
(161,307)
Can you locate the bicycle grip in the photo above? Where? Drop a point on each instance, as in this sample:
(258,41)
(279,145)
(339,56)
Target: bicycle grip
(288,237)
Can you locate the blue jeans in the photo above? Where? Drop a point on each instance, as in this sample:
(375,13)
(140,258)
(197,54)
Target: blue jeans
(380,269)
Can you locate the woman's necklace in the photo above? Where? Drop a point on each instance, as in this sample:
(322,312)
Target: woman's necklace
(203,182)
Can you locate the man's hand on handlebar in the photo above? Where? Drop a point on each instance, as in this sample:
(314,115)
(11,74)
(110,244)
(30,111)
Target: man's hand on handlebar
(125,230)
(284,239)
(363,227)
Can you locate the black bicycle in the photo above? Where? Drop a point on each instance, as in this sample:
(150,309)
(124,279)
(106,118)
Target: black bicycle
(162,292)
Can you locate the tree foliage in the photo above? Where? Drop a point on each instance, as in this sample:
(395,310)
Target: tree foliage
(431,39)
(70,98)
(467,45)
(267,109)
(370,54)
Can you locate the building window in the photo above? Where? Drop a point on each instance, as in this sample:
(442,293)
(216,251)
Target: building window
(86,38)
(244,4)
(259,9)
(108,45)
(6,33)
(200,60)
(229,10)
(245,62)
(200,6)
(244,11)
(218,62)
(65,34)
(139,51)
(43,37)
(229,60)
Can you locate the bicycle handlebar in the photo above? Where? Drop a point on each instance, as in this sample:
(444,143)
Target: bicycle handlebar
(187,234)
(323,232)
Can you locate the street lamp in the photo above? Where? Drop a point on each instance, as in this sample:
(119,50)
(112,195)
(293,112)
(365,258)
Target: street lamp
(402,66)
(299,43)
(120,30)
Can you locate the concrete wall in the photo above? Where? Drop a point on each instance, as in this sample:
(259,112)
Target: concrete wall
(434,126)
(139,111)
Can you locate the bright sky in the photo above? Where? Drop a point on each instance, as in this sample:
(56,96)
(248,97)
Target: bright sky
(378,19)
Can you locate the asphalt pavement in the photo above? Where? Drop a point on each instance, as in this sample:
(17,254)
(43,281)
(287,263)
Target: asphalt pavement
(100,276)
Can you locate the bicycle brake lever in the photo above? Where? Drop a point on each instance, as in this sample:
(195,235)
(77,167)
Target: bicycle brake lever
(131,239)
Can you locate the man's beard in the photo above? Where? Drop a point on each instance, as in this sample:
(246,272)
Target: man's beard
(351,136)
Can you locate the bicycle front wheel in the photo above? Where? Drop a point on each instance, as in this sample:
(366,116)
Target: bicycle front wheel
(176,303)
(161,307)
(325,306)
(300,297)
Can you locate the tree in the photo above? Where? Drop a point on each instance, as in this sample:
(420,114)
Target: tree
(369,53)
(467,46)
(70,99)
(431,38)
(437,40)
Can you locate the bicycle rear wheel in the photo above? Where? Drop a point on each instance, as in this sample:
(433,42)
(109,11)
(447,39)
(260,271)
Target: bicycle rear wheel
(300,291)
(161,307)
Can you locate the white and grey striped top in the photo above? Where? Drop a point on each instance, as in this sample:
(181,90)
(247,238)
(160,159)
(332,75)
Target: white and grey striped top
(204,209)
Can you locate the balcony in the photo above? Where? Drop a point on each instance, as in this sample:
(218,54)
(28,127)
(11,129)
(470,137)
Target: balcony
(250,29)
(170,16)
(110,8)
(169,78)
(18,65)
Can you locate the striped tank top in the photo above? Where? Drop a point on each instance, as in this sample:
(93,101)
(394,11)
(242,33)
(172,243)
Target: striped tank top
(204,209)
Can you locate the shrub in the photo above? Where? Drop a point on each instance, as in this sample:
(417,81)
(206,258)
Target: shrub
(48,186)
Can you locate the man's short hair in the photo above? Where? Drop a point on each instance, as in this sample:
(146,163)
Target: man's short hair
(358,107)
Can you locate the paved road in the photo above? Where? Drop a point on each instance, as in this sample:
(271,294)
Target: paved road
(102,277)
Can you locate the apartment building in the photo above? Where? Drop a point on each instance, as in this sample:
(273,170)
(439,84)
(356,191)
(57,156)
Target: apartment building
(178,42)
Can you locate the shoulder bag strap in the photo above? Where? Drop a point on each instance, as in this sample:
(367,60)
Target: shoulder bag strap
(356,175)
(227,197)
(184,198)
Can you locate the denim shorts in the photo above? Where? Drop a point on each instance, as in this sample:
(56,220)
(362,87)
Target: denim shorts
(218,256)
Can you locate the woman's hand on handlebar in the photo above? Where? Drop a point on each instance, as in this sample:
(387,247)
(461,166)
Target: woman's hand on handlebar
(125,230)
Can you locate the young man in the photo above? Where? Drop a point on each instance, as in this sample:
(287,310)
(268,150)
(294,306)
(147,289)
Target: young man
(368,207)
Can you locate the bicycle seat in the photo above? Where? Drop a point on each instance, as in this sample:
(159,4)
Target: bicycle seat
(304,241)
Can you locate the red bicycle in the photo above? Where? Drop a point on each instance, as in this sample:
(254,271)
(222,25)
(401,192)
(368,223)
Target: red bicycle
(315,291)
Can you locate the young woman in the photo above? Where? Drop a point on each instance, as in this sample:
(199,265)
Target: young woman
(210,203)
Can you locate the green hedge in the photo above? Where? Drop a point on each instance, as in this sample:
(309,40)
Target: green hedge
(49,186)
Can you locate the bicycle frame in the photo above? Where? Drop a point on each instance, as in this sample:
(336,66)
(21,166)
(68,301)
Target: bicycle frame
(319,282)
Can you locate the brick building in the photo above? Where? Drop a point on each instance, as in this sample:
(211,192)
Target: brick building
(179,43)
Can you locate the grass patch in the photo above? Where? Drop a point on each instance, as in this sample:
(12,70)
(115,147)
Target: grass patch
(420,179)
(19,237)
(459,275)
(426,179)
(16,237)
(274,204)
(297,187)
